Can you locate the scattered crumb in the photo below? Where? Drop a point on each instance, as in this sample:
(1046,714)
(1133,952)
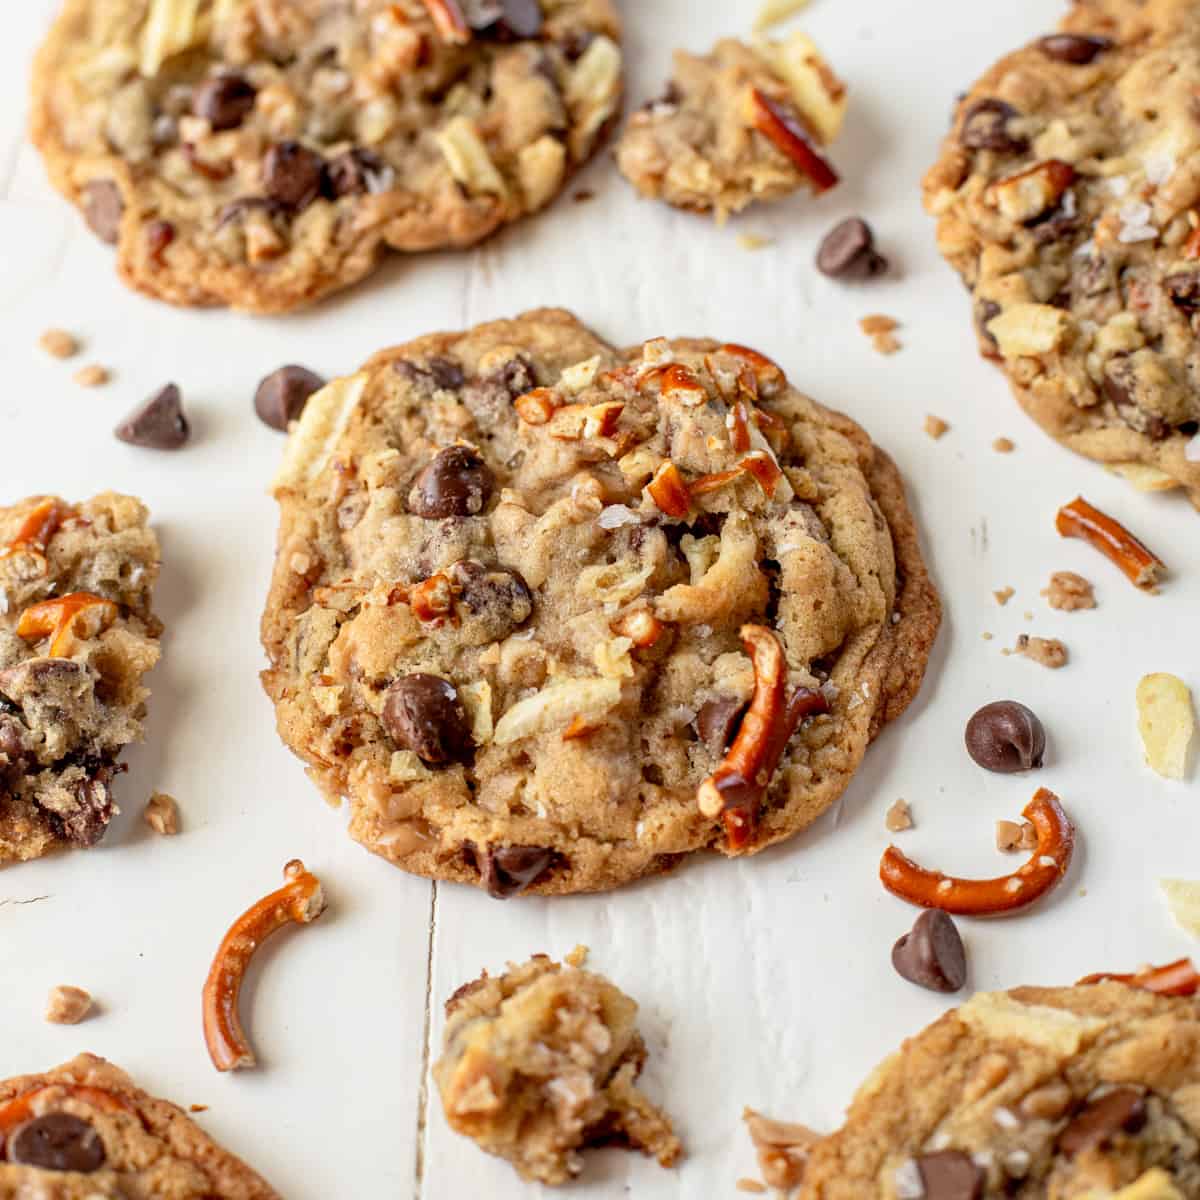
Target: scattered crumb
(578,956)
(1027,615)
(162,814)
(67,1005)
(782,1148)
(880,329)
(754,241)
(1015,835)
(1004,446)
(197,1108)
(1083,892)
(935,426)
(59,343)
(899,817)
(987,637)
(583,195)
(92,376)
(774,11)
(1069,592)
(1004,595)
(751,1185)
(1050,652)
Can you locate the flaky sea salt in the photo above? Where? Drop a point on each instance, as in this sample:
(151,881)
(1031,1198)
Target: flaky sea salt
(1192,450)
(1159,168)
(616,515)
(1135,223)
(1118,185)
(909,1185)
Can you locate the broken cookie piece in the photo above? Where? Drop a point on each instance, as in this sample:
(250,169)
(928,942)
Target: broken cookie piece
(541,1062)
(77,635)
(738,125)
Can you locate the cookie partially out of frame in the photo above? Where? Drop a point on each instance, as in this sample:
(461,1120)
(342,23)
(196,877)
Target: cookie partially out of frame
(262,154)
(520,574)
(1068,199)
(85,1131)
(1081,1092)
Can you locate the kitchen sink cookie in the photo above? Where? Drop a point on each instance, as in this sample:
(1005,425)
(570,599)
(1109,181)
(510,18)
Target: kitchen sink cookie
(262,154)
(1082,1092)
(85,1131)
(738,125)
(553,615)
(542,1062)
(76,636)
(1068,199)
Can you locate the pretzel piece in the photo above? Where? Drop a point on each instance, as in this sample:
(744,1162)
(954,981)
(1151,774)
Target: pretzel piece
(57,619)
(1080,520)
(1178,978)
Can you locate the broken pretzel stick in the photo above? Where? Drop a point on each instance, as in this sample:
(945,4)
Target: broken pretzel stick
(20,1108)
(36,530)
(58,618)
(1080,520)
(1179,978)
(985,897)
(300,900)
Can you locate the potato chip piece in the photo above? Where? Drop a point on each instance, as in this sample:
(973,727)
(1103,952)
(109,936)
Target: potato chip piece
(1183,899)
(1166,723)
(816,90)
(1143,477)
(774,11)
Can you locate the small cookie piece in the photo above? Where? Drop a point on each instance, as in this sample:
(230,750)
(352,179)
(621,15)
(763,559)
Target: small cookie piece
(736,126)
(71,666)
(67,1005)
(1049,652)
(85,1131)
(1037,1092)
(58,343)
(1069,592)
(541,1062)
(162,814)
(264,155)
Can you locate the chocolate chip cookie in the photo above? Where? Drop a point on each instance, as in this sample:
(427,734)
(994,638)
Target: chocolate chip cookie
(262,154)
(76,637)
(541,1062)
(1040,1092)
(553,615)
(1068,199)
(85,1131)
(738,125)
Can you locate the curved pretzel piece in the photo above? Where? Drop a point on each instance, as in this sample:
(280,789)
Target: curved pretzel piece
(57,618)
(985,897)
(36,530)
(1080,520)
(735,790)
(301,900)
(1178,978)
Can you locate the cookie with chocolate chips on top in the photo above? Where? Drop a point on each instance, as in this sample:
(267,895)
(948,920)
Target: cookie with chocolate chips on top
(77,635)
(1068,200)
(262,154)
(553,615)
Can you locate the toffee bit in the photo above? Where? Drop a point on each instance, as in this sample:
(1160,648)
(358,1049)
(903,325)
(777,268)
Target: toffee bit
(936,427)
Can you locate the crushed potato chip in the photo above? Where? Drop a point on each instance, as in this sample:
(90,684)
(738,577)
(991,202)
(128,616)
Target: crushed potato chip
(1027,329)
(468,159)
(1166,722)
(774,11)
(1144,478)
(1183,899)
(556,706)
(171,26)
(817,92)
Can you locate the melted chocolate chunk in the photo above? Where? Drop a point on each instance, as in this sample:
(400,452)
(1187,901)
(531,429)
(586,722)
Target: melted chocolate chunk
(507,871)
(985,126)
(718,720)
(292,174)
(423,714)
(224,101)
(1121,1110)
(951,1175)
(57,1142)
(455,483)
(1075,48)
(103,208)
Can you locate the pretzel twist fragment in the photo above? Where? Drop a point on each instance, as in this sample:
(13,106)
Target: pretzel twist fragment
(58,618)
(1080,520)
(1178,978)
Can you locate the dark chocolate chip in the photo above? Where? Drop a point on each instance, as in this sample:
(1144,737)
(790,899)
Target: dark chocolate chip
(932,954)
(455,483)
(159,424)
(244,204)
(491,602)
(224,101)
(12,742)
(507,871)
(504,19)
(1184,289)
(57,1142)
(574,43)
(441,373)
(950,1175)
(282,395)
(292,174)
(356,171)
(159,235)
(423,713)
(985,310)
(1123,1109)
(1005,736)
(985,127)
(848,251)
(1075,48)
(102,209)
(1120,389)
(718,720)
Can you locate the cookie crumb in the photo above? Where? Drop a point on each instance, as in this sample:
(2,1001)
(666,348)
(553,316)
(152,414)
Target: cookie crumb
(162,814)
(880,329)
(578,956)
(59,343)
(935,426)
(783,1149)
(1015,835)
(583,195)
(1004,595)
(774,11)
(1050,652)
(754,241)
(1069,592)
(1003,445)
(751,1185)
(987,637)
(197,1108)
(899,817)
(92,376)
(67,1005)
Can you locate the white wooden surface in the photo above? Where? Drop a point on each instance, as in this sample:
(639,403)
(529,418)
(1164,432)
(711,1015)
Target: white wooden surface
(763,982)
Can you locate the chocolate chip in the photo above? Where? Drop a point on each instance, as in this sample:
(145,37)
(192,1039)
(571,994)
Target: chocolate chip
(57,1142)
(292,174)
(455,483)
(1184,289)
(1123,1109)
(224,101)
(717,722)
(491,603)
(985,127)
(950,1175)
(12,742)
(244,204)
(504,18)
(159,235)
(1005,736)
(985,310)
(282,395)
(356,171)
(102,209)
(848,251)
(441,373)
(1075,48)
(159,424)
(507,871)
(932,954)
(1120,389)
(423,714)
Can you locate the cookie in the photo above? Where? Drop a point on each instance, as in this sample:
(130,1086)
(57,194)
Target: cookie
(77,635)
(542,1062)
(262,154)
(85,1131)
(1039,1092)
(736,126)
(1067,198)
(528,584)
